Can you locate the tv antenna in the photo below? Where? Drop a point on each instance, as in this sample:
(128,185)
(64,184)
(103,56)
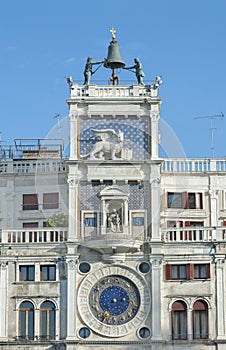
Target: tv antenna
(57,116)
(212,129)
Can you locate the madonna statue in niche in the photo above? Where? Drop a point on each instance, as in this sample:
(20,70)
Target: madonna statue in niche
(114,221)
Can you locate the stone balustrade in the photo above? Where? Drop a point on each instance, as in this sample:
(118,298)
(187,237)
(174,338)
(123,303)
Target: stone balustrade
(113,91)
(34,235)
(32,166)
(193,165)
(56,235)
(193,234)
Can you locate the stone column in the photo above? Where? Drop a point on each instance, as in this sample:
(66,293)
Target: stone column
(213,207)
(103,213)
(4,302)
(220,297)
(154,115)
(213,192)
(62,277)
(10,202)
(37,322)
(156,297)
(189,323)
(73,209)
(155,208)
(71,297)
(125,219)
(73,134)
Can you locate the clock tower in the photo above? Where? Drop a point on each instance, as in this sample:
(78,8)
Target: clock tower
(114,244)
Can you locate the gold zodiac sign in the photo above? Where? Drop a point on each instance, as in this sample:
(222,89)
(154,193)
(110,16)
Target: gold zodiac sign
(96,308)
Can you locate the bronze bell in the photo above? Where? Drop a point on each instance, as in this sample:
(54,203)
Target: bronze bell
(114,59)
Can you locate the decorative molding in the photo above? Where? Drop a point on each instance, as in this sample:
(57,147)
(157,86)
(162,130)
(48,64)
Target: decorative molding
(72,263)
(219,261)
(4,265)
(155,181)
(154,116)
(73,182)
(156,262)
(113,330)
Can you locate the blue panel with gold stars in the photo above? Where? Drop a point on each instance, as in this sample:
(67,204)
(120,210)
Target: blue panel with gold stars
(135,132)
(90,200)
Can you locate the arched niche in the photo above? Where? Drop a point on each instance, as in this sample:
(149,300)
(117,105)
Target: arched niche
(114,210)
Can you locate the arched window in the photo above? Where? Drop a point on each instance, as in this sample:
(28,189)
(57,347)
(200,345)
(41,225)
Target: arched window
(47,327)
(179,320)
(200,320)
(26,320)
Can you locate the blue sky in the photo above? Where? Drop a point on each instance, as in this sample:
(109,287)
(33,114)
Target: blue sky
(43,41)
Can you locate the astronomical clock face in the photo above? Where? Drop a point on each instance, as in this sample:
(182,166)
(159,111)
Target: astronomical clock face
(113,301)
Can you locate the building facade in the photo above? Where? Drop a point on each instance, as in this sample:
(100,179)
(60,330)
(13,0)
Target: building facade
(140,264)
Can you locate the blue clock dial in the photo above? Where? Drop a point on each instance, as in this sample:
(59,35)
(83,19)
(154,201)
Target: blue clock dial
(114,300)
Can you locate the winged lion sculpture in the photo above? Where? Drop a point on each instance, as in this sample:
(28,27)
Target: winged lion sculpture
(110,145)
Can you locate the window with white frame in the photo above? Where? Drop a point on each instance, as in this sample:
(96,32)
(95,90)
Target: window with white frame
(26,320)
(47,320)
(184,200)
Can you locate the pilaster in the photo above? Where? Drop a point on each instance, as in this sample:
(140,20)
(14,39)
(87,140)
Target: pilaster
(73,133)
(156,297)
(155,206)
(71,297)
(220,295)
(154,116)
(3,299)
(73,209)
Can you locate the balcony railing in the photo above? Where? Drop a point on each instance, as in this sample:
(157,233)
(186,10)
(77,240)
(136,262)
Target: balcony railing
(193,165)
(31,166)
(113,91)
(168,235)
(194,234)
(35,235)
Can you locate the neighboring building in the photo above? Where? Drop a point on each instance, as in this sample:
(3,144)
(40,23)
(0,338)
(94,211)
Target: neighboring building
(141,264)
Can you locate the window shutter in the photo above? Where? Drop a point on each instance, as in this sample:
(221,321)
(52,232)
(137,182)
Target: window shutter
(188,271)
(178,224)
(185,200)
(51,200)
(30,201)
(167,200)
(191,271)
(197,201)
(207,270)
(168,271)
(224,223)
